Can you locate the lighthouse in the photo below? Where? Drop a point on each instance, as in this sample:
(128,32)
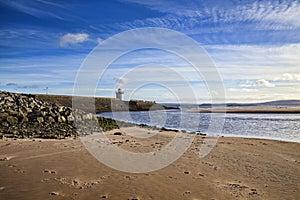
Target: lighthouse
(119,94)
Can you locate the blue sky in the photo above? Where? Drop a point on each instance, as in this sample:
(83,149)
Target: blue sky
(255,45)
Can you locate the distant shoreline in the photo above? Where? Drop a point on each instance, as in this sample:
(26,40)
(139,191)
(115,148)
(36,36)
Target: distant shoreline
(247,110)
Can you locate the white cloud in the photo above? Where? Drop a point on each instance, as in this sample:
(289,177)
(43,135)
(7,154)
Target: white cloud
(258,83)
(121,81)
(254,62)
(288,77)
(260,94)
(71,38)
(263,83)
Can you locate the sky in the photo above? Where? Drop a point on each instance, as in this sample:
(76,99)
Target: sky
(254,45)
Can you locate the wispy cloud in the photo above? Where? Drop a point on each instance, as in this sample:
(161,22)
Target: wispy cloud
(37,9)
(226,21)
(284,12)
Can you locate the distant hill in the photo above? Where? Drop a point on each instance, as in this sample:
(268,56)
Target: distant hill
(278,103)
(283,103)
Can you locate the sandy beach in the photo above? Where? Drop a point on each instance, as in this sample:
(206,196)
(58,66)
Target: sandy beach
(236,168)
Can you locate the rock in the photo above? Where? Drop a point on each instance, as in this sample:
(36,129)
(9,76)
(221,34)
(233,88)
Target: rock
(34,115)
(32,104)
(24,120)
(3,116)
(8,99)
(12,120)
(70,118)
(13,112)
(88,116)
(51,120)
(117,133)
(21,112)
(53,115)
(28,110)
(44,113)
(40,119)
(61,119)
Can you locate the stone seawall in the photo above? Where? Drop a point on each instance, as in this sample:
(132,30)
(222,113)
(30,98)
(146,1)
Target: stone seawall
(24,116)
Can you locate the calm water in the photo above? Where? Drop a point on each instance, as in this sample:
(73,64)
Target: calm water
(269,126)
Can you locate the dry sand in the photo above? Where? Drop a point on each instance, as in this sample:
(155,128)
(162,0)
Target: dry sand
(237,168)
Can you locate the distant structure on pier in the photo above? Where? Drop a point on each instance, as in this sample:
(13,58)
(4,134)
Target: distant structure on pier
(119,94)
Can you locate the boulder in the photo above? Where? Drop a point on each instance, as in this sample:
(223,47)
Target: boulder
(24,120)
(51,120)
(40,119)
(12,120)
(70,118)
(61,119)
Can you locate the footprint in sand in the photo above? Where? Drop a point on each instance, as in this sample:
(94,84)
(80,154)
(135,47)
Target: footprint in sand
(19,171)
(200,174)
(130,177)
(105,177)
(6,158)
(49,171)
(53,193)
(134,198)
(45,180)
(105,196)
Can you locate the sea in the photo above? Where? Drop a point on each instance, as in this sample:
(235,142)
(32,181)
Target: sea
(284,127)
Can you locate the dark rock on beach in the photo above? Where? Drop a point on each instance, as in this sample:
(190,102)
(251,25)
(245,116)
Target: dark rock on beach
(24,116)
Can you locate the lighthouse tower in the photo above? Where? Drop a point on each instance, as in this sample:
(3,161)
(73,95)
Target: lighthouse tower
(119,94)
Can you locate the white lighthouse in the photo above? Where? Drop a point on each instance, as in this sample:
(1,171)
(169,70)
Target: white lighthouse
(119,94)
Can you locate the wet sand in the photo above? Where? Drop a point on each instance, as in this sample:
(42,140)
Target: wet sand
(236,168)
